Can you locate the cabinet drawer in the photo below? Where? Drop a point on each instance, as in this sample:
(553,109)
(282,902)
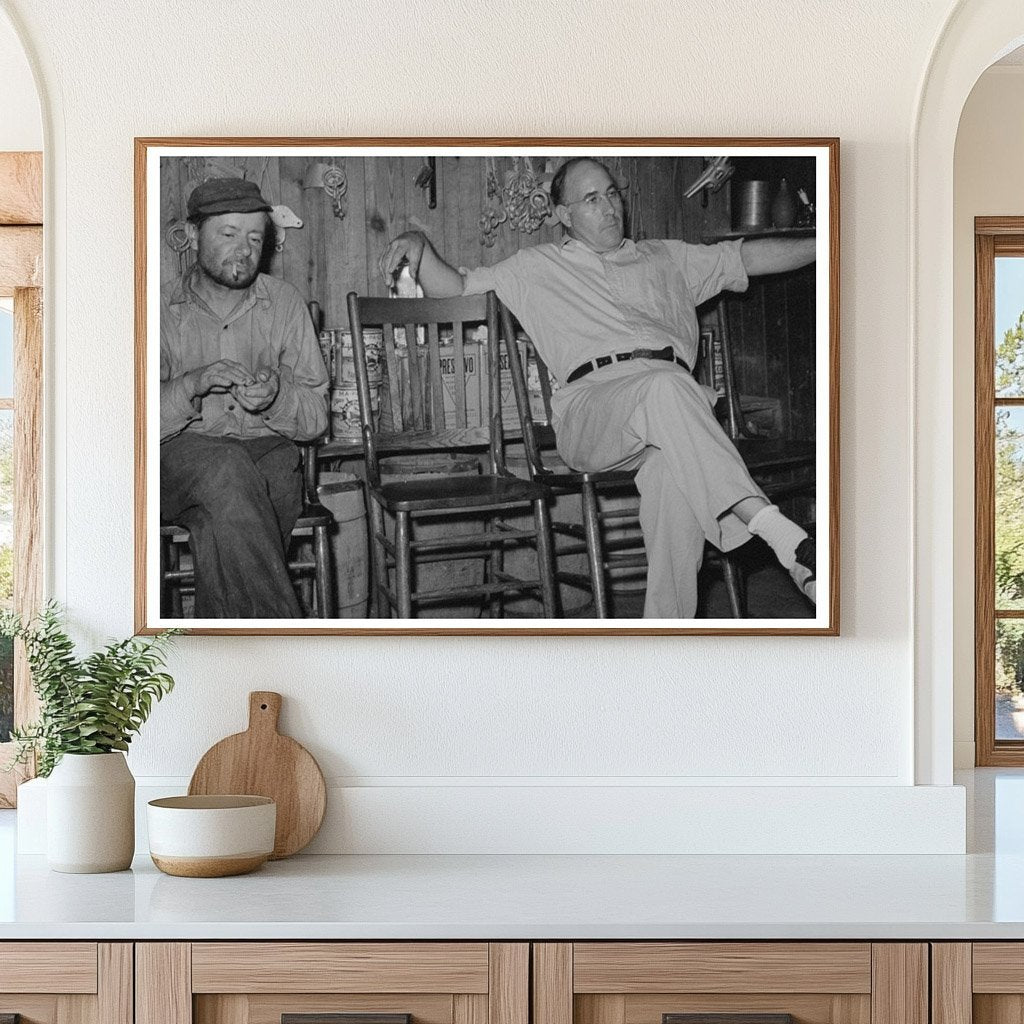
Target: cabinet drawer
(340,967)
(753,967)
(66,982)
(998,967)
(66,967)
(730,983)
(981,982)
(332,983)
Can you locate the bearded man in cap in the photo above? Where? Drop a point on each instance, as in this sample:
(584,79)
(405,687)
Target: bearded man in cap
(241,380)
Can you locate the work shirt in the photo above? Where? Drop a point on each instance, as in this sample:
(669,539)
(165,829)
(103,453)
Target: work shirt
(270,327)
(577,304)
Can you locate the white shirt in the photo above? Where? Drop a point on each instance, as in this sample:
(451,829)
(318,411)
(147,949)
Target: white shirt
(577,304)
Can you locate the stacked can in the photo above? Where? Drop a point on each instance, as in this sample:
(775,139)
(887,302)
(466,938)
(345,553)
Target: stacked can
(336,345)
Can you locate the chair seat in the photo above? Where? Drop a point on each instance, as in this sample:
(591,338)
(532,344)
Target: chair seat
(447,492)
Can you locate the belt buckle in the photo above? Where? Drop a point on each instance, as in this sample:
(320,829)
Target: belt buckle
(643,353)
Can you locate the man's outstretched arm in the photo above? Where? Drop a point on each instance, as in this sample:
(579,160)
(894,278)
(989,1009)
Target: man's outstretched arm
(776,255)
(438,279)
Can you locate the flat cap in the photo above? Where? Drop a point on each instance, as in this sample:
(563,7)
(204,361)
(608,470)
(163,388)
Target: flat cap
(225,195)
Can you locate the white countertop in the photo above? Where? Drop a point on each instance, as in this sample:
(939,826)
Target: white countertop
(976,896)
(517,897)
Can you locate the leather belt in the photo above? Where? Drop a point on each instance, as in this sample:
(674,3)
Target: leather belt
(667,353)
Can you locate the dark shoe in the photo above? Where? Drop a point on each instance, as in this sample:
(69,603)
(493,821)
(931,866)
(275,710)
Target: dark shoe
(803,571)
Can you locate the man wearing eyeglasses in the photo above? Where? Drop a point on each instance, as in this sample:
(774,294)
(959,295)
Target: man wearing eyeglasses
(615,321)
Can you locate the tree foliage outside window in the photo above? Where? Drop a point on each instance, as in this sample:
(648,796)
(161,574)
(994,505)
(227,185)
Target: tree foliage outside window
(6,688)
(1009,657)
(6,511)
(1009,509)
(6,573)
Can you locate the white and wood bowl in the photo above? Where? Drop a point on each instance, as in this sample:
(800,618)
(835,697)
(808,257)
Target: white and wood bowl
(211,836)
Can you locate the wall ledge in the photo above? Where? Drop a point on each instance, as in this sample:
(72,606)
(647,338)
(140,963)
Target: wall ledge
(681,819)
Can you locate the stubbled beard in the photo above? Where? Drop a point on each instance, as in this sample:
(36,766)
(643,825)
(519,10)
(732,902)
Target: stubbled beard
(224,273)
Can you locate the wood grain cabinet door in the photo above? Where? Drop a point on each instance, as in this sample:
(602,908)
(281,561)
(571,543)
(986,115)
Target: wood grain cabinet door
(978,983)
(730,983)
(332,983)
(66,982)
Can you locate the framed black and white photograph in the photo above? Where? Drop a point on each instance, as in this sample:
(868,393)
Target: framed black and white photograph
(460,386)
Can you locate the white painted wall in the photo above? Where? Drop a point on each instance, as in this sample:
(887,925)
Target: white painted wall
(21,127)
(987,182)
(444,714)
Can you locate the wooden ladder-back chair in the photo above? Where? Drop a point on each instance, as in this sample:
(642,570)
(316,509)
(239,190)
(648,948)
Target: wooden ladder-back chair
(604,555)
(413,411)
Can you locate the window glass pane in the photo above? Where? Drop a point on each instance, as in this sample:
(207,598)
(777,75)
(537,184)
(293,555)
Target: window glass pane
(1009,321)
(1009,525)
(6,352)
(1009,679)
(6,566)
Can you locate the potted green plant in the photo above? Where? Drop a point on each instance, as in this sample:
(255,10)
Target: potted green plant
(89,709)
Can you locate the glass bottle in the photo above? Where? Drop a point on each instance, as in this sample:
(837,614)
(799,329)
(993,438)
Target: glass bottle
(784,206)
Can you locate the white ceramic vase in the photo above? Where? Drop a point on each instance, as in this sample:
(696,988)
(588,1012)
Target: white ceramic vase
(90,814)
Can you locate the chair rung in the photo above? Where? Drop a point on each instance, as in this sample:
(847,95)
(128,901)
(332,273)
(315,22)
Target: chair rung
(569,530)
(478,590)
(565,550)
(476,540)
(619,513)
(389,545)
(615,561)
(451,554)
(445,556)
(575,579)
(623,544)
(501,506)
(619,551)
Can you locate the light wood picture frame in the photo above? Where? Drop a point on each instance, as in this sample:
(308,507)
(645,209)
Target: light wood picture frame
(767,359)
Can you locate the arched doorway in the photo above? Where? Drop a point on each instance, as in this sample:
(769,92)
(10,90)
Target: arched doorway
(977,33)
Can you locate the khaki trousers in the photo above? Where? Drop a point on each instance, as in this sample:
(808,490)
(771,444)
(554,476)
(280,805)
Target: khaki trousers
(653,415)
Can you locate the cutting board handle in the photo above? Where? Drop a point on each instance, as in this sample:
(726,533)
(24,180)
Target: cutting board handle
(264,710)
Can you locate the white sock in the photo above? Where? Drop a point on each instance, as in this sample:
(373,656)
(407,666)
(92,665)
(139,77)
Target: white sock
(782,535)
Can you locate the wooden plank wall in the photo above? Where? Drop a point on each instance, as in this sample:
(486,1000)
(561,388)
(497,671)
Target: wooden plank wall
(330,256)
(771,328)
(772,325)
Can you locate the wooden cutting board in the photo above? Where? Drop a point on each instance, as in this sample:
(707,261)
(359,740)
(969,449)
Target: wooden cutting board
(262,762)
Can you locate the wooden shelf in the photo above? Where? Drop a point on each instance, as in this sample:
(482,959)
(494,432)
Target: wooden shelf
(725,236)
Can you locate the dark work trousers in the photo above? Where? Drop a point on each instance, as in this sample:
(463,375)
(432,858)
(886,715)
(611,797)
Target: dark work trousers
(239,500)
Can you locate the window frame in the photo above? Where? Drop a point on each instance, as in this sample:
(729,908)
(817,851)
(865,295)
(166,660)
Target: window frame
(993,237)
(21,262)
